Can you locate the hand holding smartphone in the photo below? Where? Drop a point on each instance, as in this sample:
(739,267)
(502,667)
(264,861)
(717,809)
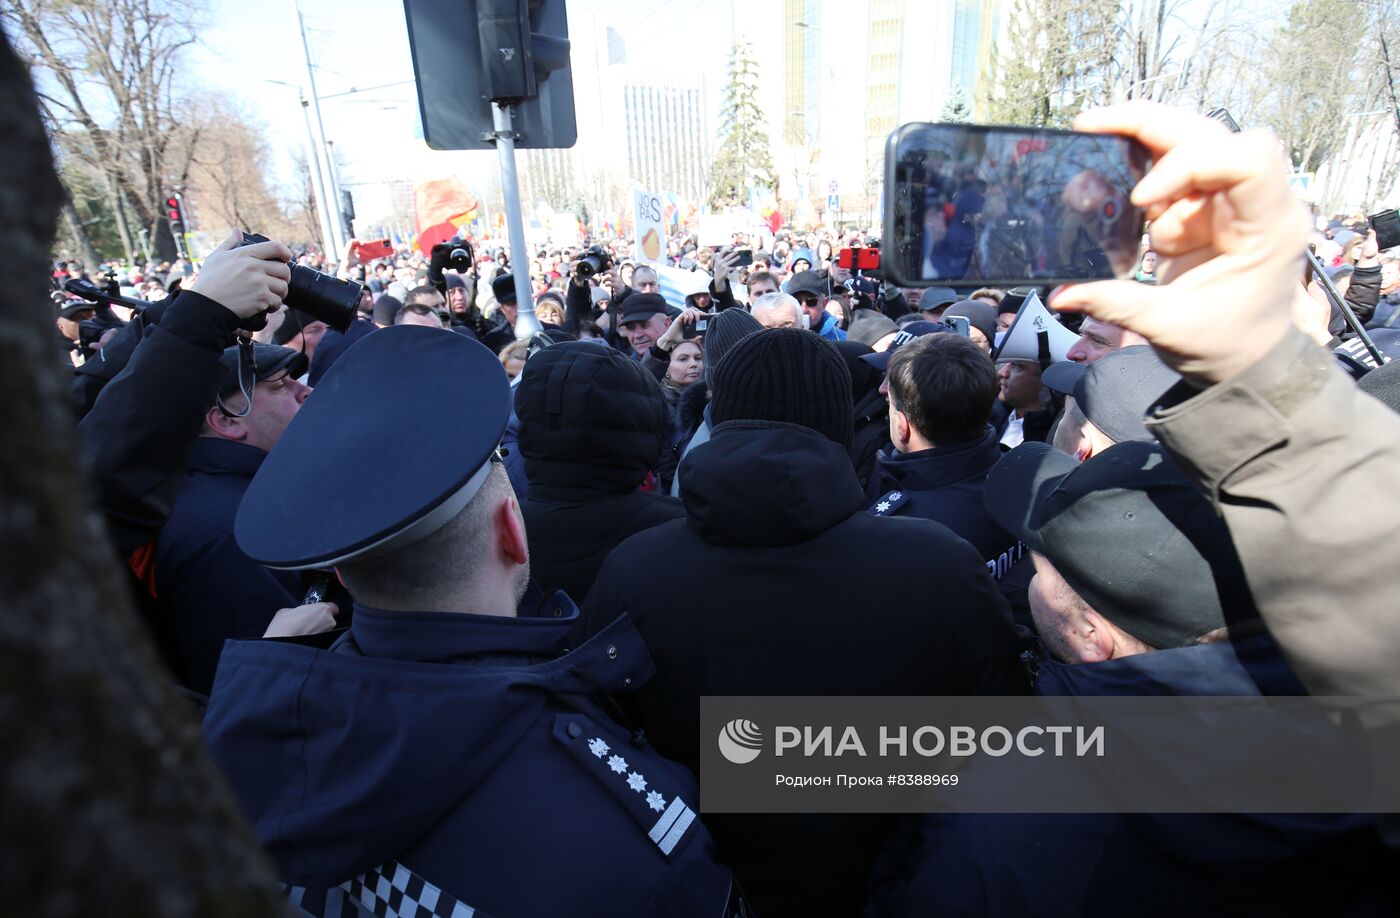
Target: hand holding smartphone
(1005,206)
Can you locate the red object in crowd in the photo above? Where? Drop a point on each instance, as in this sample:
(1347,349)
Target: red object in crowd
(443,207)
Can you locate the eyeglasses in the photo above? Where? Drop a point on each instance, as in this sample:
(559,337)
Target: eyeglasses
(806,299)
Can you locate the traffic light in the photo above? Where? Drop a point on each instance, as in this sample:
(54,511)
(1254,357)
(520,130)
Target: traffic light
(175,213)
(175,210)
(467,53)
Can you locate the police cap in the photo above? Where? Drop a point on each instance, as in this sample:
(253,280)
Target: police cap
(434,402)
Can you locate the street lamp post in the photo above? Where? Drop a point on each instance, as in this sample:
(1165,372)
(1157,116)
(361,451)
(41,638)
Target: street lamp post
(313,161)
(335,242)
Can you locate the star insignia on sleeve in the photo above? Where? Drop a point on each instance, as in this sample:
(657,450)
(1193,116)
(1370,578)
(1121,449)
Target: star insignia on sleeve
(882,507)
(598,747)
(656,801)
(895,495)
(636,782)
(618,764)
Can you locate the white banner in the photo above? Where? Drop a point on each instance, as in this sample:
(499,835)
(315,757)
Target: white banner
(651,232)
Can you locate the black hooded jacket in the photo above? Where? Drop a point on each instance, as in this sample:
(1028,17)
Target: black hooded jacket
(782,584)
(592,424)
(872,410)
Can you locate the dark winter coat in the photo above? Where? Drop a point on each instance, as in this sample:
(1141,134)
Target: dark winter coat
(471,757)
(687,416)
(944,484)
(1363,293)
(208,590)
(871,410)
(1067,866)
(587,448)
(779,583)
(1036,426)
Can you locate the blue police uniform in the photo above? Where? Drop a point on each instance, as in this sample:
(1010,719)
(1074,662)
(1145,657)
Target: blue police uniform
(945,484)
(469,757)
(440,763)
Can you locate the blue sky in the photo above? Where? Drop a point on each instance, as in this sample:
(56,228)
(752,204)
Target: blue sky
(357,44)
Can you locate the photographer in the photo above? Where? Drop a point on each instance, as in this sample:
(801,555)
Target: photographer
(723,265)
(159,414)
(579,299)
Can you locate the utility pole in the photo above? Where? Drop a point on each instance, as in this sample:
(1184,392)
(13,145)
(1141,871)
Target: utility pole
(322,199)
(526,324)
(335,242)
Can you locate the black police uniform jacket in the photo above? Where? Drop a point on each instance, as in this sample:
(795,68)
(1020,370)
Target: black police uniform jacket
(779,582)
(945,484)
(450,762)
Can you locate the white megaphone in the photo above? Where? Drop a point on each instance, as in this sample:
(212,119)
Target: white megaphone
(1022,340)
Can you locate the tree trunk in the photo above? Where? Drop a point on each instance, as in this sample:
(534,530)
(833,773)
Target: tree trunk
(86,253)
(108,804)
(119,211)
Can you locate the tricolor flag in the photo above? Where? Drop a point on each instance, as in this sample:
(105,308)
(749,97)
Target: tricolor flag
(443,207)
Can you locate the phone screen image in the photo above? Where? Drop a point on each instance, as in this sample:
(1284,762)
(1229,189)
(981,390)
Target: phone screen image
(1004,206)
(1387,227)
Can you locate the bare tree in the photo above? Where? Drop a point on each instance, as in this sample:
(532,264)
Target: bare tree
(227,180)
(105,71)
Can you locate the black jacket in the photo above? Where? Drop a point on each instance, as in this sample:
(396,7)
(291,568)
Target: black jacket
(1363,293)
(1036,426)
(687,414)
(587,446)
(209,591)
(779,583)
(944,484)
(142,425)
(103,366)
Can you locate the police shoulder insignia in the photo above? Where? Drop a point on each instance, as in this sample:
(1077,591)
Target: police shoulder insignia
(657,808)
(889,504)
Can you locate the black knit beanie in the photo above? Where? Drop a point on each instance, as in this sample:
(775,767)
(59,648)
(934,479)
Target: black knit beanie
(726,330)
(785,374)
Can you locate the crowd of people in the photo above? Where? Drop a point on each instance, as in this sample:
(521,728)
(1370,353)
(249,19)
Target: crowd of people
(447,597)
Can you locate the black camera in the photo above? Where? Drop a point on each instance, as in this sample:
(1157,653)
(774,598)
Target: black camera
(321,296)
(595,261)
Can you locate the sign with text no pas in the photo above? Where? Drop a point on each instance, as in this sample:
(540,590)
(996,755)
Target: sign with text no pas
(651,232)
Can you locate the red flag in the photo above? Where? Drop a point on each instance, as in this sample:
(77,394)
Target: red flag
(443,207)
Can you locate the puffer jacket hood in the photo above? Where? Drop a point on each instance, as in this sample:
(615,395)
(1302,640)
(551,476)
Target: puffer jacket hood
(590,418)
(766,483)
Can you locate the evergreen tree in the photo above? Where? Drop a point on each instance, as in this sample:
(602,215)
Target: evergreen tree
(956,110)
(743,160)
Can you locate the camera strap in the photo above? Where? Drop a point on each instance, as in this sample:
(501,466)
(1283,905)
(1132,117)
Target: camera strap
(247,379)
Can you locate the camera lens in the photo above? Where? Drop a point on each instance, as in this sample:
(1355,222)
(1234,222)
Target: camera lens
(327,298)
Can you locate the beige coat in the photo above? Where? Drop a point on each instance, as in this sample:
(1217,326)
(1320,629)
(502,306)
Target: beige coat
(1305,469)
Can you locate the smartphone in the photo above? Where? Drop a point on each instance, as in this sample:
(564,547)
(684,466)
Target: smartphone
(1387,227)
(745,258)
(862,259)
(368,251)
(696,328)
(1007,206)
(958,324)
(1223,116)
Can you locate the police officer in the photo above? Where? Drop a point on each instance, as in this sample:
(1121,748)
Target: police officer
(446,755)
(941,388)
